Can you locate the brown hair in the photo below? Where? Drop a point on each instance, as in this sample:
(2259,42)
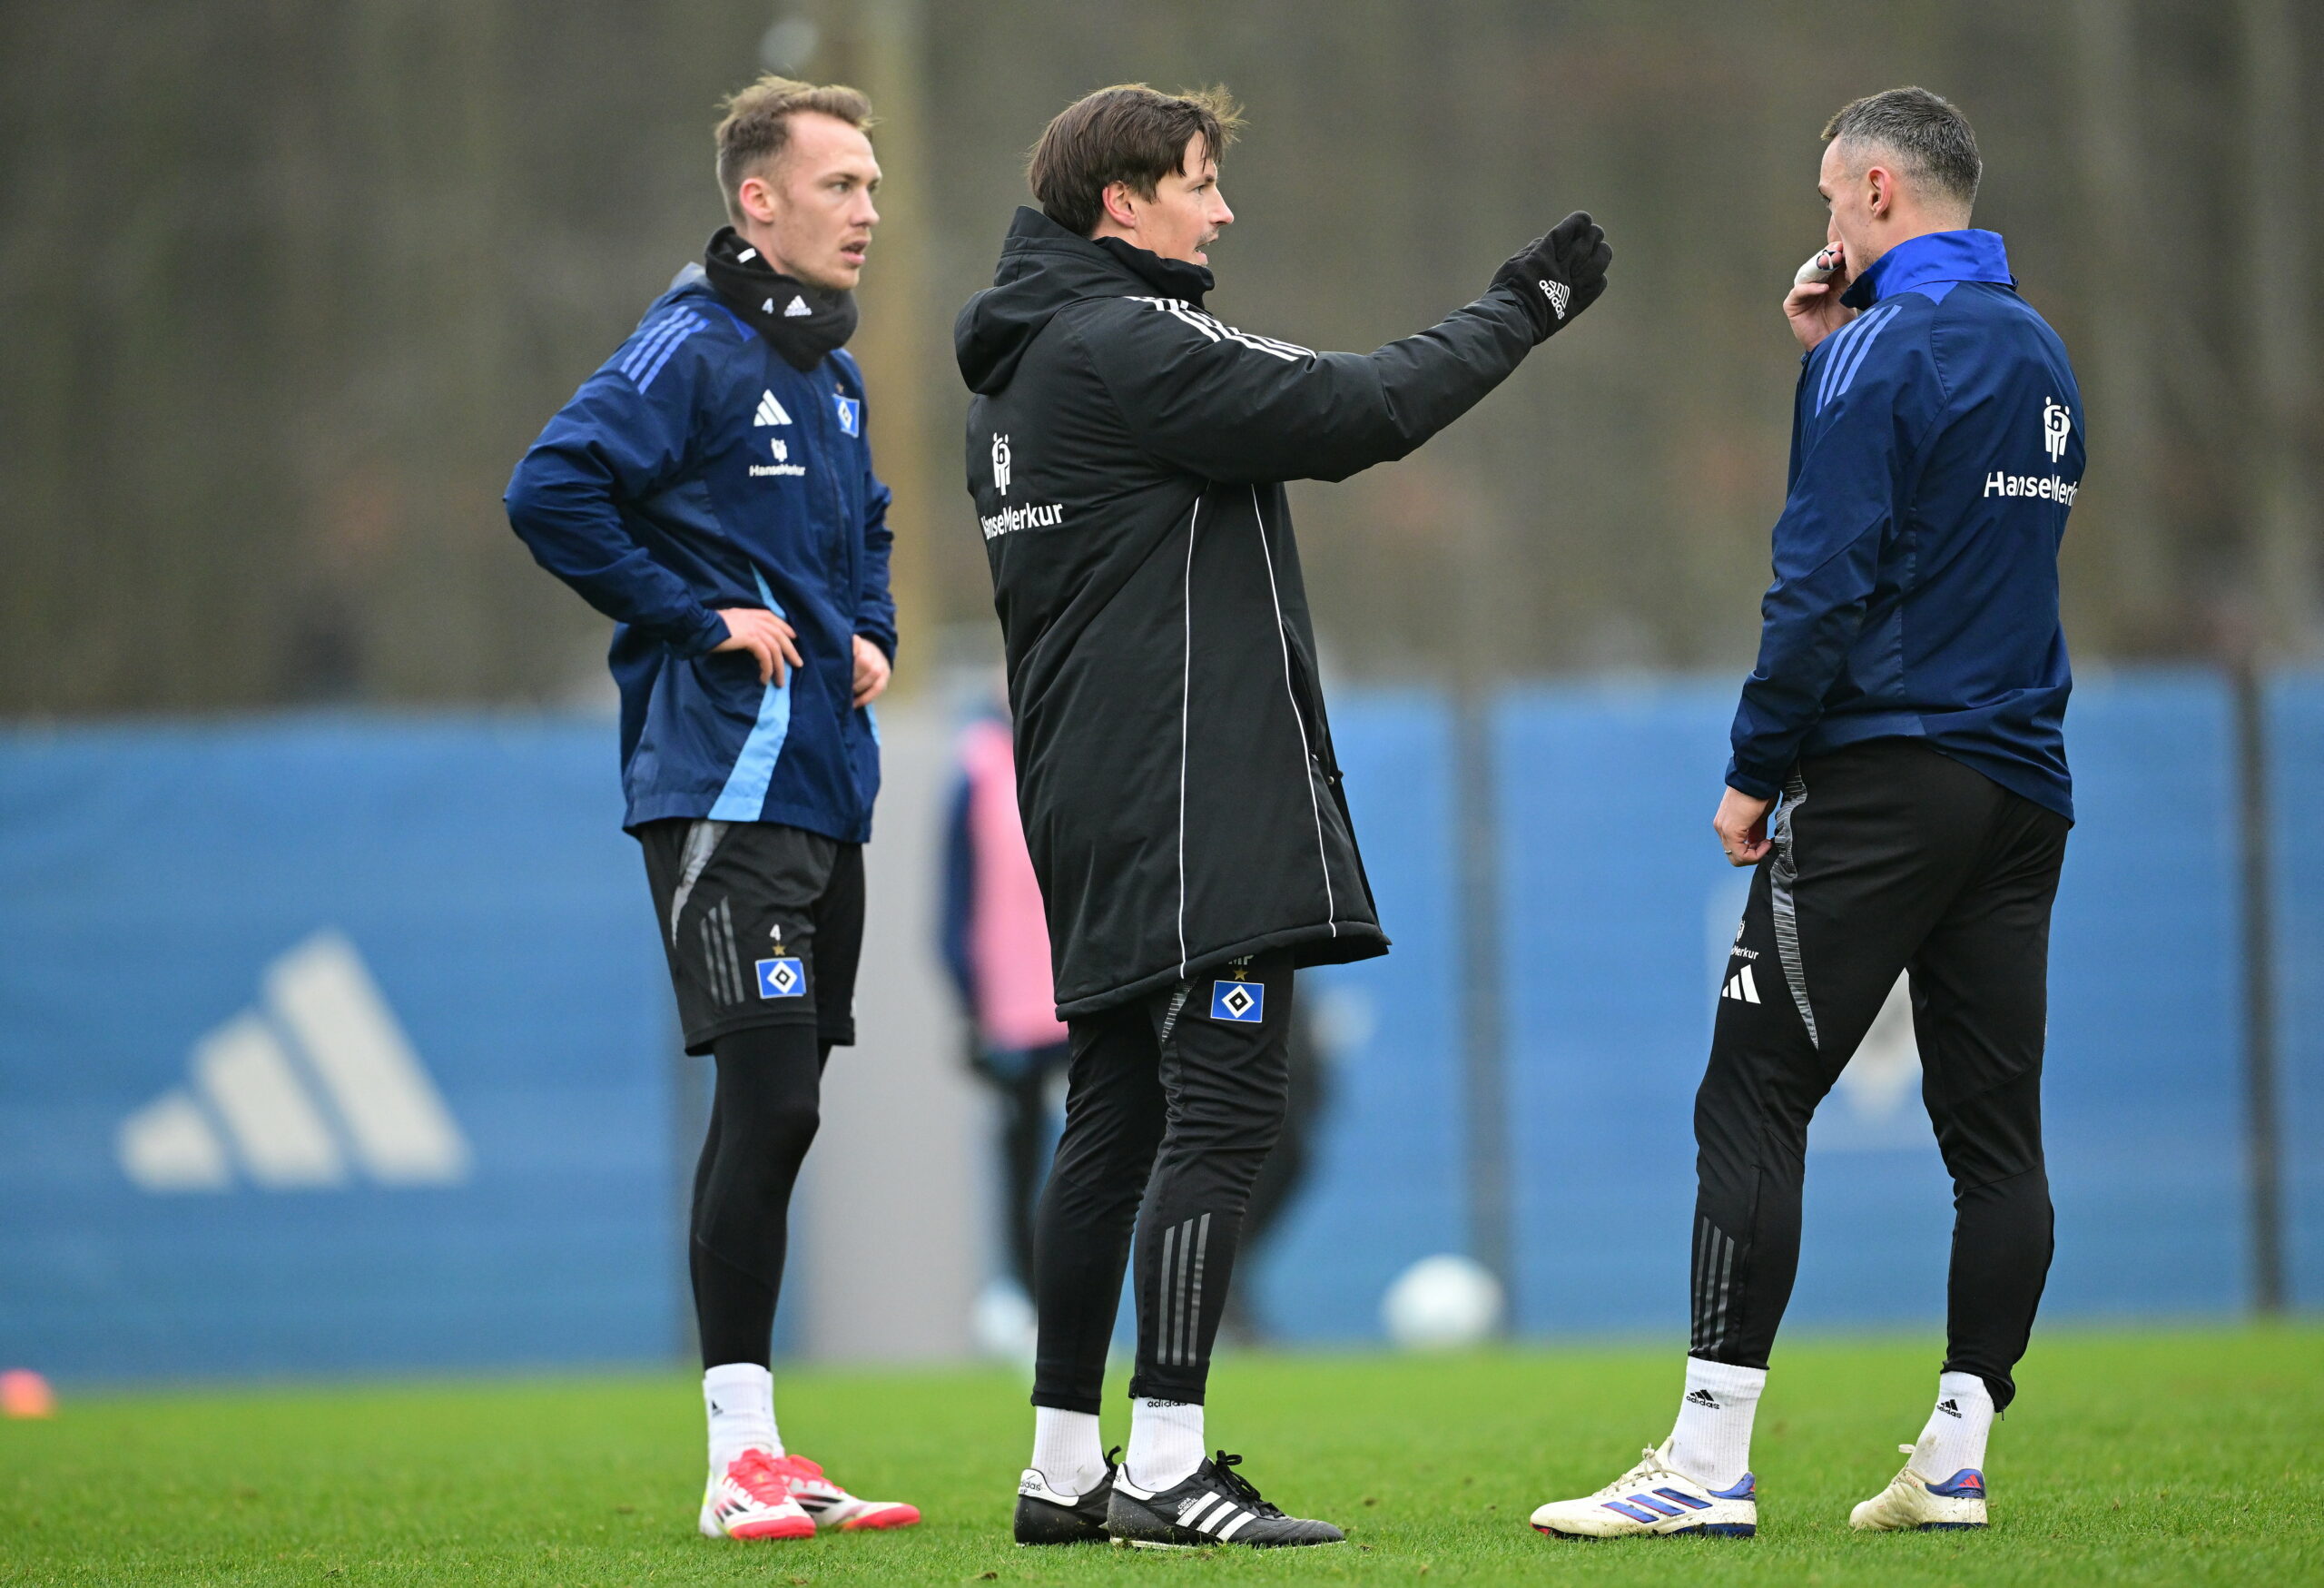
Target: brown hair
(1129,134)
(757,127)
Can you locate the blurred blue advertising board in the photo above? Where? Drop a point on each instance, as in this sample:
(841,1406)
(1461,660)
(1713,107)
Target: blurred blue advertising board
(334,1043)
(327,1043)
(1617,912)
(2296,763)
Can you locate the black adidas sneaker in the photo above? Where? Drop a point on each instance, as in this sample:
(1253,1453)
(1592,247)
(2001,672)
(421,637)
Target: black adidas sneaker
(1046,1516)
(1216,1506)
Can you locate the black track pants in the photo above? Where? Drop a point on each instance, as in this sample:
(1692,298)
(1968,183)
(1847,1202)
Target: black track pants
(1890,857)
(1173,1104)
(763,1118)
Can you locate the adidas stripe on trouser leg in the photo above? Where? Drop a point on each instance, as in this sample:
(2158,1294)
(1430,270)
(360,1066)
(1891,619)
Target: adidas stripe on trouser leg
(1889,856)
(1170,1114)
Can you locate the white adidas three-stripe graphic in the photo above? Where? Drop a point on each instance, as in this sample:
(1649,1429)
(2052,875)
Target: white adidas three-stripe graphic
(315,1081)
(1741,987)
(1217,330)
(1216,1515)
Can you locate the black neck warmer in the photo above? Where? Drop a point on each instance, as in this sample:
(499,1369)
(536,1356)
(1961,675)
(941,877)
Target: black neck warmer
(1172,278)
(804,323)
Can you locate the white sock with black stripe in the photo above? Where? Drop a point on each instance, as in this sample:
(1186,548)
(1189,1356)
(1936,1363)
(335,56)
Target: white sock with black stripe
(1712,1439)
(1165,1444)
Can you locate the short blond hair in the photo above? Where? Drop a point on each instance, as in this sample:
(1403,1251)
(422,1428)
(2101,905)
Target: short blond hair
(756,126)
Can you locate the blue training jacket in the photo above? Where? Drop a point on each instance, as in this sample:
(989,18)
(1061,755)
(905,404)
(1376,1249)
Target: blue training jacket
(1936,445)
(699,469)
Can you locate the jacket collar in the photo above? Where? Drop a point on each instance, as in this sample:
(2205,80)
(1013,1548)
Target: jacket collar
(802,323)
(1934,256)
(1043,269)
(1031,233)
(1173,278)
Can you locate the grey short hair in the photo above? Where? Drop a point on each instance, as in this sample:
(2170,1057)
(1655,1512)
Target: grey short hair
(1927,133)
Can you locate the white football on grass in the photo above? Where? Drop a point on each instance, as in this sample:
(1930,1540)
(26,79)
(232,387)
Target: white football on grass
(1441,1303)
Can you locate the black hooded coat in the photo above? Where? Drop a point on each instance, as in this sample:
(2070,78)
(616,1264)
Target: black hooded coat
(1127,452)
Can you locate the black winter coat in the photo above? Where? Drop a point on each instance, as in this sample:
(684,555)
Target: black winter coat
(1127,453)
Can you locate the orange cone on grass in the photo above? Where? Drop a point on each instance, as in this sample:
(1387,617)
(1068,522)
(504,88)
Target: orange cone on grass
(25,1394)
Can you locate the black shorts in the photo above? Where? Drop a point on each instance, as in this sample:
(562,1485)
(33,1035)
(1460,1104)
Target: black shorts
(762,925)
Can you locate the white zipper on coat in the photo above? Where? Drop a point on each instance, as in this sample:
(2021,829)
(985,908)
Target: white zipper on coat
(1186,705)
(1299,719)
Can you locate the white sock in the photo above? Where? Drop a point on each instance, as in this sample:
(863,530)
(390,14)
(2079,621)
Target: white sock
(739,1398)
(1956,1431)
(1068,1450)
(1165,1444)
(1712,1438)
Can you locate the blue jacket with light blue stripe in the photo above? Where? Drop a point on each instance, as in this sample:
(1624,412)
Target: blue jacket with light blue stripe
(699,469)
(1936,447)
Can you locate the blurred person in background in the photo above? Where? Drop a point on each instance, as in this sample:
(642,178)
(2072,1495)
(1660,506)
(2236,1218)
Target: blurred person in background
(997,946)
(1127,452)
(710,488)
(996,943)
(1904,725)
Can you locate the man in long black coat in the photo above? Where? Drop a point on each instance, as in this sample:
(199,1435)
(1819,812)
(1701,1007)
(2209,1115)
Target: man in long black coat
(1127,452)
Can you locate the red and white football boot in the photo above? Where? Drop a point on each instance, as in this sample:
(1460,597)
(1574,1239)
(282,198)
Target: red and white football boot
(752,1498)
(832,1506)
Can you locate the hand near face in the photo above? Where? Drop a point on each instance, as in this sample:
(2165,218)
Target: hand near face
(1813,307)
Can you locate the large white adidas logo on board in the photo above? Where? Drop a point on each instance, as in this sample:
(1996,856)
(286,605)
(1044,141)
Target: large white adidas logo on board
(314,1086)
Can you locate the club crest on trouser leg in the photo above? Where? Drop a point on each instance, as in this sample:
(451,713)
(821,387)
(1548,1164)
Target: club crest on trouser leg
(781,978)
(1238,1002)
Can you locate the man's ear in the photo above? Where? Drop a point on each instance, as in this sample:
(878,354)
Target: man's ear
(754,196)
(1884,190)
(1120,208)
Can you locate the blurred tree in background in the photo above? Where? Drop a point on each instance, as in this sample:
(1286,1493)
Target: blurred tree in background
(289,286)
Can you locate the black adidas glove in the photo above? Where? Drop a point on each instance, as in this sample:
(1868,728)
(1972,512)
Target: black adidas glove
(1559,275)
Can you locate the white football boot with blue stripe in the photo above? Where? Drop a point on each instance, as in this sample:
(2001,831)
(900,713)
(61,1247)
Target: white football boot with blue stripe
(1655,1497)
(1912,1504)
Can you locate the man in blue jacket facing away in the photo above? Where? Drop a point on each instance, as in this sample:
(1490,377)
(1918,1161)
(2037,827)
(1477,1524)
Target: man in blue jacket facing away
(1903,725)
(710,488)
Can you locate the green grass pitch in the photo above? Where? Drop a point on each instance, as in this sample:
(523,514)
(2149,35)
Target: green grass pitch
(2189,1456)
